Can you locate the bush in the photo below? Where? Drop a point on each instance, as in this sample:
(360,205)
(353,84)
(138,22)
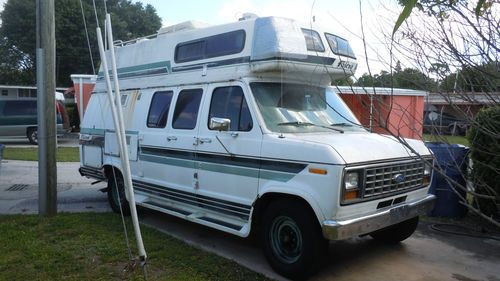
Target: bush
(484,137)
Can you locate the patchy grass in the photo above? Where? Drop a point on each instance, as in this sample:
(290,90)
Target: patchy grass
(91,246)
(64,154)
(446,139)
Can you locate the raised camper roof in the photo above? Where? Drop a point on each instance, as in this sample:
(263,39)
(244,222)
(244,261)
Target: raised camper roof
(265,46)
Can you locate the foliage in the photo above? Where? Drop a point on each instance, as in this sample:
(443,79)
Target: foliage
(63,154)
(74,118)
(408,78)
(446,139)
(484,136)
(438,8)
(481,78)
(91,246)
(130,20)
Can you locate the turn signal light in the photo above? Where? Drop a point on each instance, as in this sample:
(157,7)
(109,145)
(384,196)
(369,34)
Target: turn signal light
(317,171)
(350,195)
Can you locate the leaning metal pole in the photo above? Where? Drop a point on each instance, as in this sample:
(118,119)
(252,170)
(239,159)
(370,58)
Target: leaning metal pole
(46,88)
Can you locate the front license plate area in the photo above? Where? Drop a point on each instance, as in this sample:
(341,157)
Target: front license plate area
(399,213)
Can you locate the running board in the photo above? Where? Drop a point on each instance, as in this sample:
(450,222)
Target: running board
(204,217)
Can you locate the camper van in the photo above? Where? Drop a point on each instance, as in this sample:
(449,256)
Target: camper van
(235,127)
(18,118)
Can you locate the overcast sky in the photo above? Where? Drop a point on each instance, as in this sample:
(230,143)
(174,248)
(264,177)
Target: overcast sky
(340,17)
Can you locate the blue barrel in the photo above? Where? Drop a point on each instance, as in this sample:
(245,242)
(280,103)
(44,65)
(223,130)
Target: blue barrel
(452,160)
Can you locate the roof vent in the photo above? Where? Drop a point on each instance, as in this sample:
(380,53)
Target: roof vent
(187,25)
(248,16)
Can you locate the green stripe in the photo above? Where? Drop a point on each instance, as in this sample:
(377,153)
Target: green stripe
(142,67)
(93,131)
(168,161)
(220,168)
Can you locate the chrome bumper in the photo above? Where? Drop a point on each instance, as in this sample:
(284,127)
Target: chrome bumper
(343,229)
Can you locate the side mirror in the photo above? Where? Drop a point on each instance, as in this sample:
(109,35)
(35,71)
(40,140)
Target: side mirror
(220,124)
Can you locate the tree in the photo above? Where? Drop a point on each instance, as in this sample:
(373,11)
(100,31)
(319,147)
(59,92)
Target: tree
(130,20)
(408,78)
(458,42)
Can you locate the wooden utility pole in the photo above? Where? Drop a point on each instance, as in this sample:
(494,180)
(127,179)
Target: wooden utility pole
(46,88)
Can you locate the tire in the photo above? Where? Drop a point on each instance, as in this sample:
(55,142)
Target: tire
(396,233)
(32,135)
(116,189)
(292,239)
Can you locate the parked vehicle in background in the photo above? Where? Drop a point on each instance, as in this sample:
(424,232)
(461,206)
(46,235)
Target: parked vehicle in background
(444,123)
(18,119)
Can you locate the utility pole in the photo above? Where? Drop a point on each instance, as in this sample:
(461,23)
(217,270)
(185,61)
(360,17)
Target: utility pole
(46,88)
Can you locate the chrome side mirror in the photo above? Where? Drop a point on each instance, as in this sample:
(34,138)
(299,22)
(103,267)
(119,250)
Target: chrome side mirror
(220,124)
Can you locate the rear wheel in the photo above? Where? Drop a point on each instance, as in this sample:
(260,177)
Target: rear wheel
(116,194)
(396,233)
(32,135)
(292,239)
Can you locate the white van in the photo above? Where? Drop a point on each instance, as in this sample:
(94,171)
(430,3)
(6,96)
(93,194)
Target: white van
(235,127)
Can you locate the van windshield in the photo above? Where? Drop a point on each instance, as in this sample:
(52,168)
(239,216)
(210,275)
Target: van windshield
(295,108)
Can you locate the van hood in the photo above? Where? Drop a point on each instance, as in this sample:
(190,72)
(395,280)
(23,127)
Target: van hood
(358,147)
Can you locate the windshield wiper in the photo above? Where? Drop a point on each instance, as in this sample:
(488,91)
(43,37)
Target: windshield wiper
(341,124)
(299,124)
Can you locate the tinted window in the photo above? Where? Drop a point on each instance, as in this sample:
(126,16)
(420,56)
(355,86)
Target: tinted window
(158,110)
(24,108)
(213,46)
(339,45)
(186,109)
(313,41)
(229,102)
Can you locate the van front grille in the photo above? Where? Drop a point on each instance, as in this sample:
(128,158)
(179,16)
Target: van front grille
(393,178)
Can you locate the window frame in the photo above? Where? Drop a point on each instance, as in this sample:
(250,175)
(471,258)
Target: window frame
(197,112)
(151,105)
(204,41)
(244,99)
(353,56)
(314,32)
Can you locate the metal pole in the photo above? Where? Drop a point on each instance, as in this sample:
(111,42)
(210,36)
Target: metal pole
(45,71)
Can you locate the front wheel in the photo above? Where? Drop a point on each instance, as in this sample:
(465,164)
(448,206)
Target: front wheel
(396,233)
(292,239)
(116,194)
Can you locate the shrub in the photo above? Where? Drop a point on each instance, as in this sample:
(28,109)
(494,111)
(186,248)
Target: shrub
(484,138)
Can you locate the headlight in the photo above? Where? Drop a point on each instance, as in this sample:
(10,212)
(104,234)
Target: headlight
(427,171)
(352,184)
(351,180)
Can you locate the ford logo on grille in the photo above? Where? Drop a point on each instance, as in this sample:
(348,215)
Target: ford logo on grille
(398,178)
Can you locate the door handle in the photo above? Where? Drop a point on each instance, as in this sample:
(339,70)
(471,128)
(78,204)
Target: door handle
(171,138)
(205,140)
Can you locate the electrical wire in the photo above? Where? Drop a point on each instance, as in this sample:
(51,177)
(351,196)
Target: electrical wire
(88,40)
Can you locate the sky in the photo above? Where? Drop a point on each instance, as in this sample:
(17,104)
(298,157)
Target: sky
(341,17)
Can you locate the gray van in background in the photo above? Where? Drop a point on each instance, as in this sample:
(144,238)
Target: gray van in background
(18,119)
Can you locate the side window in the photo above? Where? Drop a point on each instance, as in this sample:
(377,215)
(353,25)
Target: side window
(186,109)
(158,110)
(313,41)
(229,102)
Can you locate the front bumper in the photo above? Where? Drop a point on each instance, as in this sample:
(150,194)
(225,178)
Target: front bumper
(343,229)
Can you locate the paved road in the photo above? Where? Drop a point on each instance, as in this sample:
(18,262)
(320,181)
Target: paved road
(427,255)
(69,140)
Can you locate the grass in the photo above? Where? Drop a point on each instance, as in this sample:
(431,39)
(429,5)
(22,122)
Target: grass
(90,246)
(64,154)
(447,139)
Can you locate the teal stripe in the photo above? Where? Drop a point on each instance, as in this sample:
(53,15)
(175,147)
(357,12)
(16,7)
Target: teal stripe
(142,67)
(220,168)
(227,169)
(276,176)
(93,131)
(169,161)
